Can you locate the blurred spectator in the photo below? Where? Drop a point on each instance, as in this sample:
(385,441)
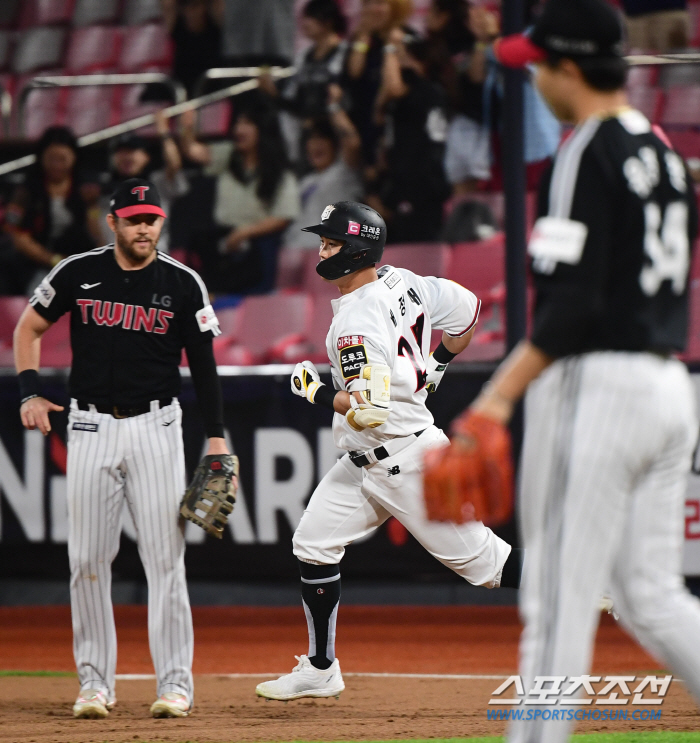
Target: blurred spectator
(363,67)
(258,32)
(414,186)
(47,216)
(333,151)
(131,159)
(195,28)
(658,25)
(458,36)
(305,95)
(257,196)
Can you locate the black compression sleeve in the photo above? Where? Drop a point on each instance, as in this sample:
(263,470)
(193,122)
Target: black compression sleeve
(208,388)
(442,355)
(325,396)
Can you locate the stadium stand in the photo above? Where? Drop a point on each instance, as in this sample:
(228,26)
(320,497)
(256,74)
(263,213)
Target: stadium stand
(93,49)
(39,48)
(89,12)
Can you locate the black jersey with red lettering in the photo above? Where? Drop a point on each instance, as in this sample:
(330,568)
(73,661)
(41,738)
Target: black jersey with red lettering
(611,250)
(128,328)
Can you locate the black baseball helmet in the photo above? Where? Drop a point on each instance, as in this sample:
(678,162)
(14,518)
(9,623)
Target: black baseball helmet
(361,229)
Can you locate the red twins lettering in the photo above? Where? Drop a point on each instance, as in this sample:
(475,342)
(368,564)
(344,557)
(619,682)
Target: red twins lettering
(140,192)
(129,316)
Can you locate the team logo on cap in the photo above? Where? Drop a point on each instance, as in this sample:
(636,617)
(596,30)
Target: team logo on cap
(140,192)
(353,228)
(327,212)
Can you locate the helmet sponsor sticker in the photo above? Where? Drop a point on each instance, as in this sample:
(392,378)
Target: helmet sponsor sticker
(353,228)
(327,212)
(352,359)
(373,233)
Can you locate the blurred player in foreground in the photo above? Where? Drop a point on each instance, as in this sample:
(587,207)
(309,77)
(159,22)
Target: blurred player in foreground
(610,414)
(378,346)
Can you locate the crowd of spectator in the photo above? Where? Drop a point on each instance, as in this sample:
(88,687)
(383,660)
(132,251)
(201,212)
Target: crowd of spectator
(407,122)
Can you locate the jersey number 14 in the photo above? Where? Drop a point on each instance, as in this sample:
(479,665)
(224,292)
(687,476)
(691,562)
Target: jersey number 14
(666,246)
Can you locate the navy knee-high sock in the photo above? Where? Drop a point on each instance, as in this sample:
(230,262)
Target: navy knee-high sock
(320,593)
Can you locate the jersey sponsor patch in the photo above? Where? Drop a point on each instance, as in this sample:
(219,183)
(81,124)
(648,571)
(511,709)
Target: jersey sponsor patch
(557,240)
(45,293)
(352,359)
(392,280)
(90,427)
(207,320)
(350,340)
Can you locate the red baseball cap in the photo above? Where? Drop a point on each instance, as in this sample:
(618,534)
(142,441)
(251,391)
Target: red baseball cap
(136,196)
(576,29)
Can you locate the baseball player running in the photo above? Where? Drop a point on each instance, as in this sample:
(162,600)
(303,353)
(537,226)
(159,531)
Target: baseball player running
(132,311)
(378,346)
(610,414)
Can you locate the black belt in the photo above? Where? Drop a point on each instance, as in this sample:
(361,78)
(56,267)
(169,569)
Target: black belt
(360,459)
(124,411)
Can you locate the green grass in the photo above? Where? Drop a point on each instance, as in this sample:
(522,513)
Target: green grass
(36,673)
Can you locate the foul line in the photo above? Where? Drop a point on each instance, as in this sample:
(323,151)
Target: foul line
(446,676)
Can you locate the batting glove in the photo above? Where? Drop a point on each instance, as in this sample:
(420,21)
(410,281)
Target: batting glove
(306,381)
(434,373)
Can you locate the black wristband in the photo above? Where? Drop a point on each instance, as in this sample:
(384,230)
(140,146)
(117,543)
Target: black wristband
(28,384)
(325,396)
(442,355)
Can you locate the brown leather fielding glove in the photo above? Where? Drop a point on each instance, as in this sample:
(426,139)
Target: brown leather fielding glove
(210,496)
(472,479)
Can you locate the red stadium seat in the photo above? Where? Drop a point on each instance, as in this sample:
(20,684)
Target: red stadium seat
(290,268)
(92,49)
(685,141)
(313,344)
(42,109)
(38,48)
(146,46)
(682,106)
(642,76)
(648,100)
(265,326)
(215,119)
(138,12)
(45,12)
(692,352)
(479,265)
(10,310)
(88,12)
(425,259)
(89,109)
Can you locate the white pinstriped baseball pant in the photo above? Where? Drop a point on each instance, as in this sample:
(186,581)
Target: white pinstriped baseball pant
(608,444)
(139,462)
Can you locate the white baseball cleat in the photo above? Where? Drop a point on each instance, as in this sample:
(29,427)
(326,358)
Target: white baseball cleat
(92,704)
(304,681)
(171,704)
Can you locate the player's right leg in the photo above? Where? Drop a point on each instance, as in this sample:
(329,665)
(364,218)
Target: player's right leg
(338,513)
(647,588)
(95,500)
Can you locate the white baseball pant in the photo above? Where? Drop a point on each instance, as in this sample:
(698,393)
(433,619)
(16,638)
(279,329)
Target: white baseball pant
(139,462)
(351,502)
(608,443)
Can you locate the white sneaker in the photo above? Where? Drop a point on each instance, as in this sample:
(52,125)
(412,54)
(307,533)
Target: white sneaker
(92,704)
(304,681)
(171,704)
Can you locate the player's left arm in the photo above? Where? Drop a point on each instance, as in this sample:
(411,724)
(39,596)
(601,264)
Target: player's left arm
(199,329)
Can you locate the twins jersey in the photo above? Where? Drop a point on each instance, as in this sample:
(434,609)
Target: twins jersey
(128,328)
(390,321)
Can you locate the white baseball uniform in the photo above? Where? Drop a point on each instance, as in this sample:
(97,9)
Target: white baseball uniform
(389,321)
